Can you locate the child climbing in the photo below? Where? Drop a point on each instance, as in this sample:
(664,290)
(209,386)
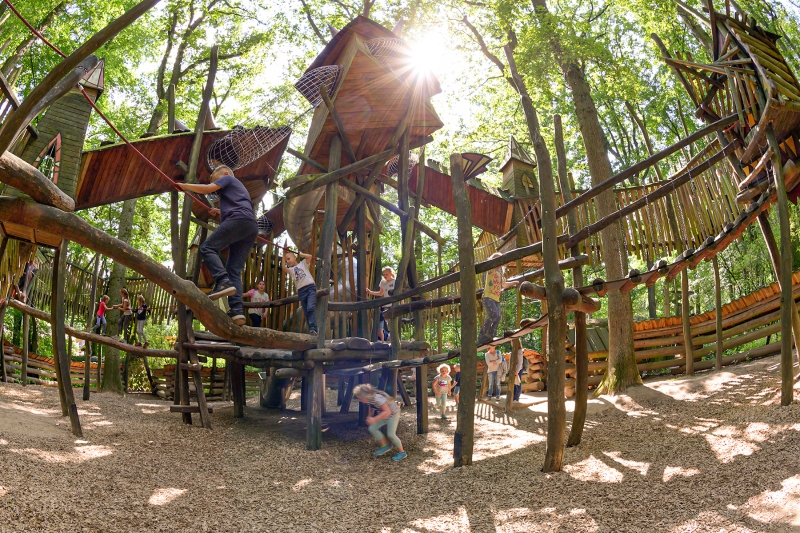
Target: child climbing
(237,232)
(257,295)
(386,285)
(101,324)
(124,321)
(385,412)
(441,388)
(456,381)
(493,287)
(141,317)
(303,283)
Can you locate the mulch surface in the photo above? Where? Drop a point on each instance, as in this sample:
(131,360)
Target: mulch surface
(715,452)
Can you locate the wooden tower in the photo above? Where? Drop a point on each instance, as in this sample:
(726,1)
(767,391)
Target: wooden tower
(56,152)
(519,179)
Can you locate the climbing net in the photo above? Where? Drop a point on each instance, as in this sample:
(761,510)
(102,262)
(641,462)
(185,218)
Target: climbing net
(242,146)
(389,51)
(393,165)
(309,83)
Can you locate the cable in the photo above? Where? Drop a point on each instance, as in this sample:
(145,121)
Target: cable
(114,128)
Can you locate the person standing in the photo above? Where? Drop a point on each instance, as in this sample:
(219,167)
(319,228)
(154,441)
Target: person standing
(237,232)
(493,360)
(385,288)
(441,388)
(142,310)
(303,283)
(257,295)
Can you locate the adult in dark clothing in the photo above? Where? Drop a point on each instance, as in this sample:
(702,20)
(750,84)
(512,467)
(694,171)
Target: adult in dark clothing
(237,232)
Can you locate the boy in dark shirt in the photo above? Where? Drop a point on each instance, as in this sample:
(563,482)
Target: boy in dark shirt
(237,232)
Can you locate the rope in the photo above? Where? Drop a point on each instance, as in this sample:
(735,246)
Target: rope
(121,136)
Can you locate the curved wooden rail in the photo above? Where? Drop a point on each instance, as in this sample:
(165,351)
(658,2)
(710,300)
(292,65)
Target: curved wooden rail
(74,228)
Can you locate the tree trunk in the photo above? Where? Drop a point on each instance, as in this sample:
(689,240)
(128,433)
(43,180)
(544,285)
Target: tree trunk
(622,371)
(25,45)
(112,380)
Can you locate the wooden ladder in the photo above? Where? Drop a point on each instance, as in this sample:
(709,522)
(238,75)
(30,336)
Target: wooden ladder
(189,363)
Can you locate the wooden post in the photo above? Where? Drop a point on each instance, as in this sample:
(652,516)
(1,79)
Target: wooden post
(775,256)
(87,350)
(361,260)
(363,409)
(512,373)
(326,244)
(439,295)
(316,397)
(718,311)
(464,437)
(687,329)
(554,283)
(3,374)
(171,108)
(421,393)
(666,298)
(581,345)
(26,335)
(787,372)
(237,388)
(68,407)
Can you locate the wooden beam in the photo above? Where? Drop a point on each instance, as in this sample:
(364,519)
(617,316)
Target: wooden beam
(374,197)
(642,165)
(464,437)
(447,279)
(24,177)
(87,350)
(304,158)
(72,227)
(687,327)
(787,372)
(718,313)
(11,96)
(348,148)
(575,301)
(283,301)
(62,360)
(68,65)
(662,191)
(333,176)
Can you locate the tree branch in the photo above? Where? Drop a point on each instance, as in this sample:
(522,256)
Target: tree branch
(314,26)
(485,49)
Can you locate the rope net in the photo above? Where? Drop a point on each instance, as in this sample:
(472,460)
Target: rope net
(389,51)
(393,165)
(242,146)
(309,83)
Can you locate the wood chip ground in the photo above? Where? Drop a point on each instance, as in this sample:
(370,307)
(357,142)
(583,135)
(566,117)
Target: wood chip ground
(713,453)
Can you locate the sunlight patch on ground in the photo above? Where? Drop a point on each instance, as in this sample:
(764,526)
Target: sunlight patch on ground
(595,470)
(3,491)
(673,471)
(524,520)
(640,467)
(496,436)
(727,448)
(777,506)
(81,454)
(457,523)
(711,521)
(152,408)
(165,496)
(302,483)
(698,388)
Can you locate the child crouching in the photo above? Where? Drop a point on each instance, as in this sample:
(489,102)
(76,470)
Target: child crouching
(385,412)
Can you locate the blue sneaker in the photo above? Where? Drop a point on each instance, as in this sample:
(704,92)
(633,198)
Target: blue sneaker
(399,456)
(382,450)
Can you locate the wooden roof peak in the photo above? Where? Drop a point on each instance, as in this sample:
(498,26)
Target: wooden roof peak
(514,151)
(95,78)
(362,26)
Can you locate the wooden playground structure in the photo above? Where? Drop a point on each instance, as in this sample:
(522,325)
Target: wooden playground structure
(371,107)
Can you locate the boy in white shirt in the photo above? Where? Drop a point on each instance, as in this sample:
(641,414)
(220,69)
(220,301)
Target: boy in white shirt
(304,283)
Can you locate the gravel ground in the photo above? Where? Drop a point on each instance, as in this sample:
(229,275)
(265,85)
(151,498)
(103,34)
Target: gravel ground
(711,453)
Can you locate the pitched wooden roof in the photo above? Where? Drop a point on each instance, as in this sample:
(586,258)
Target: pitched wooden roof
(115,173)
(489,212)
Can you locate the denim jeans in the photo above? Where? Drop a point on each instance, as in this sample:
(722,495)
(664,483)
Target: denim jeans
(391,430)
(139,336)
(100,325)
(441,402)
(518,388)
(492,308)
(237,235)
(308,299)
(494,381)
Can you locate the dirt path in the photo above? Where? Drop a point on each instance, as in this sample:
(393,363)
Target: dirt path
(712,453)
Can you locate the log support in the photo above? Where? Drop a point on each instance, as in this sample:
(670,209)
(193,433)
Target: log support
(687,328)
(68,407)
(718,313)
(465,424)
